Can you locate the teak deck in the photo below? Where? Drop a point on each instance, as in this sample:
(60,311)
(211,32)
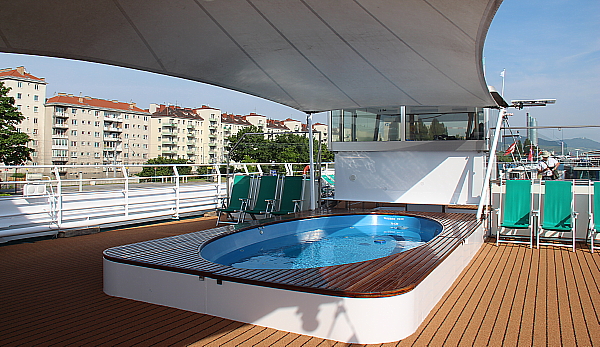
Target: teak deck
(391,275)
(51,295)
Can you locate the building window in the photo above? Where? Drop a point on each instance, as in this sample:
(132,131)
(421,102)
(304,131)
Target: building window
(36,98)
(73,132)
(126,126)
(35,109)
(18,107)
(96,134)
(73,110)
(74,121)
(20,84)
(36,86)
(73,143)
(19,95)
(96,144)
(74,154)
(35,131)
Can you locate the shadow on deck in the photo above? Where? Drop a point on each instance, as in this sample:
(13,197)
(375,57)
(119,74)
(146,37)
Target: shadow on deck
(51,294)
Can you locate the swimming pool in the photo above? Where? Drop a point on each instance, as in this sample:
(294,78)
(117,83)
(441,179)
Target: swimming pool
(373,301)
(321,241)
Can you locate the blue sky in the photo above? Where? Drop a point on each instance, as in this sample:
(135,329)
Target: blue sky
(550,49)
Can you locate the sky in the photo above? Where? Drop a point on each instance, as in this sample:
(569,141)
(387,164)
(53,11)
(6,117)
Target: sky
(550,50)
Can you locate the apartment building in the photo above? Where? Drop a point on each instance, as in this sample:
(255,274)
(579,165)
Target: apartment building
(83,130)
(185,133)
(29,93)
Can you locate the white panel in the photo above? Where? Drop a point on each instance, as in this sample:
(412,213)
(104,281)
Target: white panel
(409,177)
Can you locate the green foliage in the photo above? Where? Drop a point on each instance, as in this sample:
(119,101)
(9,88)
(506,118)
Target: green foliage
(283,148)
(13,144)
(165,170)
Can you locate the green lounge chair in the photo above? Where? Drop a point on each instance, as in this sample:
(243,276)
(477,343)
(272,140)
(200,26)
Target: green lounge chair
(265,198)
(558,211)
(238,199)
(291,195)
(594,225)
(515,210)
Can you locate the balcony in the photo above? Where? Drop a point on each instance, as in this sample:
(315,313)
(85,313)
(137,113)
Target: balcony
(168,151)
(113,119)
(60,125)
(212,144)
(169,125)
(61,115)
(60,136)
(191,126)
(190,135)
(60,147)
(113,129)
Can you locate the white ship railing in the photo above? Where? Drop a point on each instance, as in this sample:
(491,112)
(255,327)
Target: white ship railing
(50,199)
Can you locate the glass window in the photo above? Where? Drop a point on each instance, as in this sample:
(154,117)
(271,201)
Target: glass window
(421,124)
(433,124)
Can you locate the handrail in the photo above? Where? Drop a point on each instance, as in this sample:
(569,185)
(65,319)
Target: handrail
(491,164)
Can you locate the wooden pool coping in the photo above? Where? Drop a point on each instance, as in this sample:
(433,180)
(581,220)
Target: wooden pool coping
(392,275)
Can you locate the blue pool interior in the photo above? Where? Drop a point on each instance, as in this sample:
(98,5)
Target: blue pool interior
(320,241)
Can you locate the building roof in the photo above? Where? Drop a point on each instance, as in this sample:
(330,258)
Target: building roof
(177,112)
(308,55)
(227,118)
(276,124)
(89,102)
(21,74)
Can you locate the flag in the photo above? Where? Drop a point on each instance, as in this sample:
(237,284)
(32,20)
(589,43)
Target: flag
(530,155)
(502,73)
(511,149)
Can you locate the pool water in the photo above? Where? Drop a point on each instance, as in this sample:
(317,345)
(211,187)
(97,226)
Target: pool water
(322,241)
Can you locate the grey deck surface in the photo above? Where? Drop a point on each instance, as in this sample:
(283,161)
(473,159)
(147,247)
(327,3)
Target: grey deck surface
(51,295)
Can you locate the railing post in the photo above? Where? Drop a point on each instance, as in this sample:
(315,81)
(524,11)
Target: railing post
(176,215)
(58,197)
(126,191)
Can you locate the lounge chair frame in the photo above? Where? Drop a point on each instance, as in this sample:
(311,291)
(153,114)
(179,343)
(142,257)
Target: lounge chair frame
(594,214)
(516,211)
(558,206)
(240,197)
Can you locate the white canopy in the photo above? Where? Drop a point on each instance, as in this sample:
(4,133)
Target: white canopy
(312,55)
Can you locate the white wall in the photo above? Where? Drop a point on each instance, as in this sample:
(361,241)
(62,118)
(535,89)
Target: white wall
(418,177)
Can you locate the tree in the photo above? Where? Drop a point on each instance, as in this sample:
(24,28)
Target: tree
(252,148)
(13,144)
(165,170)
(284,148)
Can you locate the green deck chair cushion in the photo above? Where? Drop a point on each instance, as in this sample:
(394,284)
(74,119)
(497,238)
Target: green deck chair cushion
(292,190)
(240,190)
(267,190)
(517,204)
(558,199)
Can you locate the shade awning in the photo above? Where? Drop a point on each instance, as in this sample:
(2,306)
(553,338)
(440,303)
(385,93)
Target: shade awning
(312,55)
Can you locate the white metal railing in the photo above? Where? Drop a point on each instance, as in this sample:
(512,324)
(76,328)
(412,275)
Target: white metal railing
(83,196)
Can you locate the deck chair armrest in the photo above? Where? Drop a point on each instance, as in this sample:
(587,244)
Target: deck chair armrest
(270,205)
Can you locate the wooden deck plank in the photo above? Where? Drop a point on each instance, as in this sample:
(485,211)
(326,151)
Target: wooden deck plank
(466,287)
(588,294)
(52,295)
(530,280)
(494,296)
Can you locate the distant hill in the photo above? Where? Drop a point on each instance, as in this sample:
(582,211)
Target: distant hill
(582,144)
